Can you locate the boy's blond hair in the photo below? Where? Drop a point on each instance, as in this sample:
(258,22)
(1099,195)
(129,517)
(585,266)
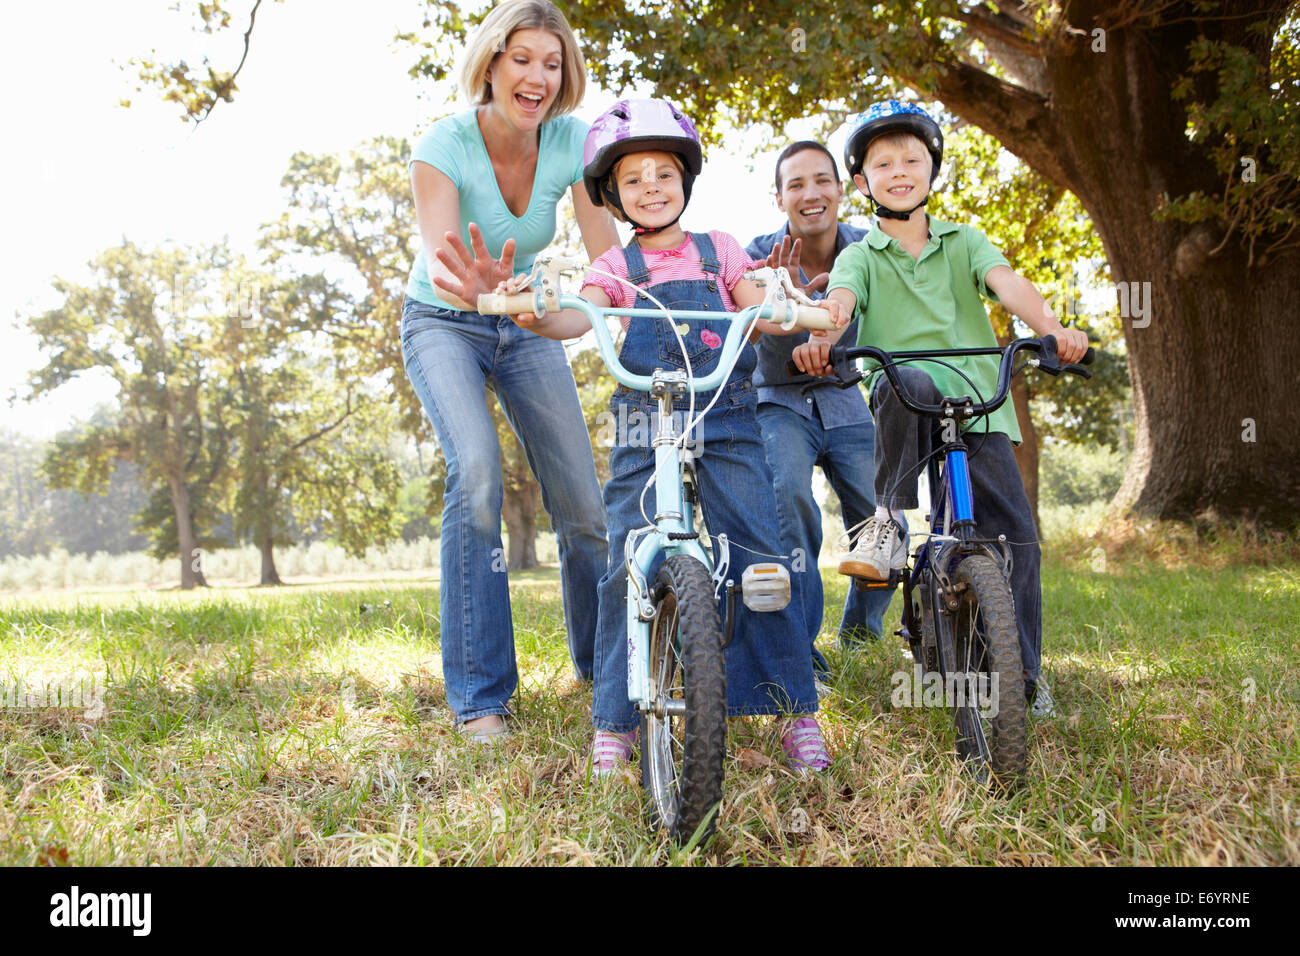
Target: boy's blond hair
(898,139)
(490,39)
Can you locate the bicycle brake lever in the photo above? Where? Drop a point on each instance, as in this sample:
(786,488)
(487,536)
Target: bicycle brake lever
(1049,360)
(846,376)
(547,271)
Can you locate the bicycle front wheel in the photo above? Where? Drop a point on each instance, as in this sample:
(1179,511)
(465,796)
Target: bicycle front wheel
(684,733)
(990,704)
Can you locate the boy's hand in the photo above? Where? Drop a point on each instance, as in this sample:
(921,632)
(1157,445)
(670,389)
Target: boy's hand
(813,357)
(1071,344)
(839,314)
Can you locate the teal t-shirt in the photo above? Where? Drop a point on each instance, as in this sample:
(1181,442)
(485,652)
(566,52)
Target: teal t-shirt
(454,145)
(929,303)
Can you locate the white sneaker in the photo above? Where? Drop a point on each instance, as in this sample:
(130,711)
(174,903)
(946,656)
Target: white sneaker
(881,547)
(1042,706)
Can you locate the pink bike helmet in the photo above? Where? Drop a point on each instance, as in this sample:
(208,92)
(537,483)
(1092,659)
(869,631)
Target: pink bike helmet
(636,126)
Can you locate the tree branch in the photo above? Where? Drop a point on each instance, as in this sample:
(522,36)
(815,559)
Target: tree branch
(999,29)
(326,428)
(1020,119)
(223,93)
(1012,10)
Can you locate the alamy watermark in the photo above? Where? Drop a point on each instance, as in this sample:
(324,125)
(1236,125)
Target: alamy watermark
(127,910)
(244,301)
(1133,298)
(958,689)
(635,428)
(82,690)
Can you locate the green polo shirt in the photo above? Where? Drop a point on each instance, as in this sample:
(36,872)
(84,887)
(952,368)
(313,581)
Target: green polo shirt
(929,303)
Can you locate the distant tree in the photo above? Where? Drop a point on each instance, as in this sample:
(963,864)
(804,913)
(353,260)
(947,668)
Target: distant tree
(310,435)
(143,320)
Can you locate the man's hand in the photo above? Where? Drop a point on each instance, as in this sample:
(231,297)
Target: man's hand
(787,255)
(813,357)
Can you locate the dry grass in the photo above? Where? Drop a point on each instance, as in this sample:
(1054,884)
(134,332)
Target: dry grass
(308,726)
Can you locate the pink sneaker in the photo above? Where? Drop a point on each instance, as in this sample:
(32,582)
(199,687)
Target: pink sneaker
(805,748)
(611,751)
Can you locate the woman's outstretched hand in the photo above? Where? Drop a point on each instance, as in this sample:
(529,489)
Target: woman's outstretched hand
(477,272)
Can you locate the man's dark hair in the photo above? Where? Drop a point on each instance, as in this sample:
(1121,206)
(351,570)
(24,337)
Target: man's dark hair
(799,147)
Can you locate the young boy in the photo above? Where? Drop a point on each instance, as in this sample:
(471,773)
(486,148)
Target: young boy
(915,283)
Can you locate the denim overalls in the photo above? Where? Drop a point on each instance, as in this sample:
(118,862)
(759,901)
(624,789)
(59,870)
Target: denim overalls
(769,670)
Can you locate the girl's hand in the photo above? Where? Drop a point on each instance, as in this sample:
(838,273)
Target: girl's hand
(478,272)
(513,286)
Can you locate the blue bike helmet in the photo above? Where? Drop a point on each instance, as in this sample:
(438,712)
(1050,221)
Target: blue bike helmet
(892,116)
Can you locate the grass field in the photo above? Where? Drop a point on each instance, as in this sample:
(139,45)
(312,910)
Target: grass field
(307,725)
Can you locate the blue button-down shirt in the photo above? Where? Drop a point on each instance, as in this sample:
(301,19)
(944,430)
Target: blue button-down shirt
(835,406)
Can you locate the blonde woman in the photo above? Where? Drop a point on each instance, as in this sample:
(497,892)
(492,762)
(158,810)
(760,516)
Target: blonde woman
(486,185)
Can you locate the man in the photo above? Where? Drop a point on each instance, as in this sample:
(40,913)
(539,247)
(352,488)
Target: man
(823,425)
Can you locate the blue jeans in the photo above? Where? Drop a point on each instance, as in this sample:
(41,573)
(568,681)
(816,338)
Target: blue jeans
(769,670)
(847,458)
(451,358)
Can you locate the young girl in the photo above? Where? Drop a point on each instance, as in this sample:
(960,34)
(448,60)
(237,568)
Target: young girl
(641,159)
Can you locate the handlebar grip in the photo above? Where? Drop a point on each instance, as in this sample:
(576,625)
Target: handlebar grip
(812,317)
(1088,356)
(491,303)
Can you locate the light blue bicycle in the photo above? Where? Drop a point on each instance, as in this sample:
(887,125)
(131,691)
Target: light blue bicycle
(675,636)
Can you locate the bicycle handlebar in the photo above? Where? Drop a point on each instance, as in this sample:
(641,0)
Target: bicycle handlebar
(806,316)
(845,375)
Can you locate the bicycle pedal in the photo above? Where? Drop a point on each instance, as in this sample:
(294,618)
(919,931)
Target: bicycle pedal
(870,584)
(765,587)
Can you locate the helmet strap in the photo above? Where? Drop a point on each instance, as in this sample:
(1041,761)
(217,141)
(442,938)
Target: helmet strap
(640,230)
(884,212)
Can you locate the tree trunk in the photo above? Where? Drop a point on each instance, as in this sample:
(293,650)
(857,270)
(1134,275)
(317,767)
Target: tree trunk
(519,511)
(269,575)
(191,556)
(1213,383)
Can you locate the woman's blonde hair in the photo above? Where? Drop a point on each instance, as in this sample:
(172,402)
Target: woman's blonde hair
(490,38)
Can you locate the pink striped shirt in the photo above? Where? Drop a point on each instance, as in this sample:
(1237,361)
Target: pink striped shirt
(667,265)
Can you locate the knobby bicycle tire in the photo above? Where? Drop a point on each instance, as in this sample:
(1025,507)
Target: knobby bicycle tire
(682,756)
(987,644)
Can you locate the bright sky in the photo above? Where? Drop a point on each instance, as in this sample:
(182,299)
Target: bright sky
(81,172)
